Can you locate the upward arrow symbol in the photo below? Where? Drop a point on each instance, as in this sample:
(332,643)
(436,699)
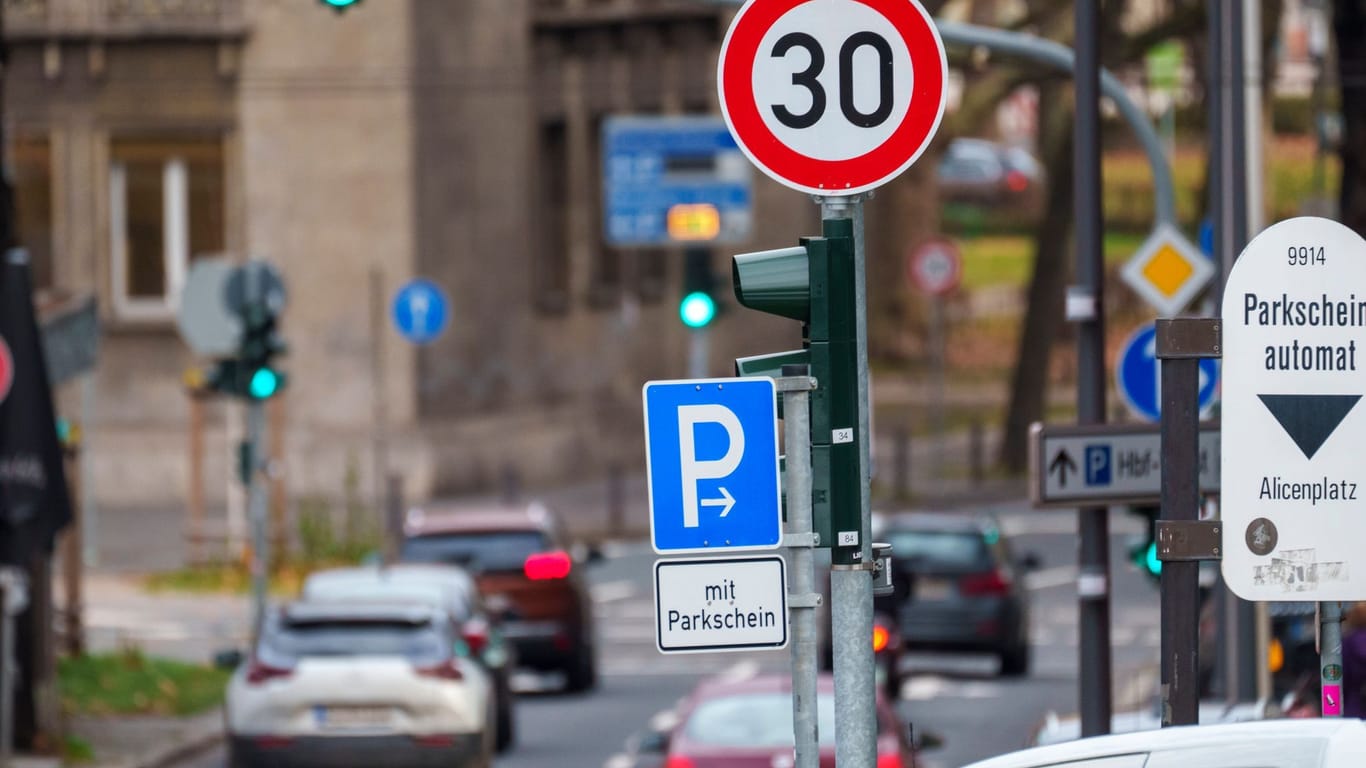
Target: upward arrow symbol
(1061,465)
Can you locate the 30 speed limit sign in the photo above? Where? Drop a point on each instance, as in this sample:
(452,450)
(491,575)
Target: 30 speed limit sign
(832,97)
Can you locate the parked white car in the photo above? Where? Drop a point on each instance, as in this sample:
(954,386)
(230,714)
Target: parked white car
(341,684)
(449,587)
(1325,743)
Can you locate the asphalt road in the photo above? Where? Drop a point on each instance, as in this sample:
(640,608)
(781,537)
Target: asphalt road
(950,697)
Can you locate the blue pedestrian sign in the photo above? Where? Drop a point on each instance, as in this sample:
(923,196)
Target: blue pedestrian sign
(1139,375)
(420,311)
(711,462)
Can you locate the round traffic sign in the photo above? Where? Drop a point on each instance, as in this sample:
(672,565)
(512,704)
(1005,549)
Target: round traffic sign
(6,369)
(1138,375)
(832,97)
(935,266)
(420,310)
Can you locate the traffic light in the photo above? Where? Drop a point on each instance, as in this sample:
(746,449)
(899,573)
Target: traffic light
(339,5)
(261,343)
(814,283)
(698,306)
(1143,550)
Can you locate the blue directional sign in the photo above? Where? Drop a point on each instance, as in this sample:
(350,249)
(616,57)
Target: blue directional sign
(685,169)
(711,459)
(1139,375)
(420,311)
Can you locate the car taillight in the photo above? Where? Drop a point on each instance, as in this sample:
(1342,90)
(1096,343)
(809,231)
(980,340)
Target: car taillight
(476,634)
(446,670)
(1016,181)
(547,565)
(982,584)
(881,636)
(259,672)
(678,761)
(889,760)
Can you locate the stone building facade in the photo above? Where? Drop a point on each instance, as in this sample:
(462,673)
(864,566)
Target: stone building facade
(452,139)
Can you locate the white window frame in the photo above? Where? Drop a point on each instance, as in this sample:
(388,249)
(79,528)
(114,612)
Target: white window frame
(175,223)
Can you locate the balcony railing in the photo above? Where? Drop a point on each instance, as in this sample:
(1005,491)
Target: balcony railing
(123,18)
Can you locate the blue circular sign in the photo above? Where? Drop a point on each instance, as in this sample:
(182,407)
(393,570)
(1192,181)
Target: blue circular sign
(1139,375)
(420,311)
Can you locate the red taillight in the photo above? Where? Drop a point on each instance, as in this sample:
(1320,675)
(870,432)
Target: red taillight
(435,740)
(889,760)
(446,670)
(1016,181)
(547,565)
(476,634)
(258,672)
(272,742)
(678,761)
(881,637)
(983,584)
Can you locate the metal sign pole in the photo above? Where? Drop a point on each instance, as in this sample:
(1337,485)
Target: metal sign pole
(1093,583)
(796,386)
(851,586)
(6,676)
(1330,658)
(256,505)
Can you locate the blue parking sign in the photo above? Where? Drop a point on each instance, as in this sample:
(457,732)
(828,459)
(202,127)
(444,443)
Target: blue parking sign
(711,460)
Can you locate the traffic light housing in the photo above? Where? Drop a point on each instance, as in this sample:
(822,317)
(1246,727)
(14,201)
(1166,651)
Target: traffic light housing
(1143,549)
(814,283)
(698,306)
(252,374)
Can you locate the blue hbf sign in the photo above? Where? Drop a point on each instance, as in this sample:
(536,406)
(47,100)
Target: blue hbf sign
(1138,374)
(420,311)
(711,459)
(656,165)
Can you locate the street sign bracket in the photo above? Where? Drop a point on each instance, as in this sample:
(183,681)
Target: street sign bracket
(795,383)
(1188,338)
(1184,541)
(809,540)
(806,601)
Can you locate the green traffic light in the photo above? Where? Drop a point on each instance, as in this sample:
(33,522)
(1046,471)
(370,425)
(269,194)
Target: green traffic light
(340,4)
(264,383)
(1150,560)
(697,309)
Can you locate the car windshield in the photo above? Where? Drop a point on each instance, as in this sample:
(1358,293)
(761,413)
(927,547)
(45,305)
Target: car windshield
(754,720)
(955,550)
(420,643)
(481,551)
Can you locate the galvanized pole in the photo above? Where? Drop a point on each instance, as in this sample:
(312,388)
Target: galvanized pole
(698,352)
(1330,658)
(1180,674)
(795,387)
(256,506)
(851,585)
(937,341)
(1086,308)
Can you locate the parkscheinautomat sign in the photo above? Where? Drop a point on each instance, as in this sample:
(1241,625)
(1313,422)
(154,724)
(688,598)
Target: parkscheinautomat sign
(1294,318)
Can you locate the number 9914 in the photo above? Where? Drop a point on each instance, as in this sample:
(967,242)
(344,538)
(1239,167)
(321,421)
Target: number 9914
(1304,255)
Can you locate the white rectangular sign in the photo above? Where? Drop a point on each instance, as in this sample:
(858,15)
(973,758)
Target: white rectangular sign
(720,604)
(1108,463)
(1294,483)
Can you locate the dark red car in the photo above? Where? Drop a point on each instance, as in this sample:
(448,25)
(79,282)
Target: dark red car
(748,724)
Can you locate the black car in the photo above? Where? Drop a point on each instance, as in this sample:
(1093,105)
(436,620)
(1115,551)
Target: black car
(957,587)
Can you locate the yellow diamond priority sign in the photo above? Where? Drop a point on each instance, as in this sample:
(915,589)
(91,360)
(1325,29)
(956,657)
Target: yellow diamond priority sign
(1168,270)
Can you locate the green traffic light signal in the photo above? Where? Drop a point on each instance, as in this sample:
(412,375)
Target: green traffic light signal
(1150,561)
(340,5)
(697,310)
(264,383)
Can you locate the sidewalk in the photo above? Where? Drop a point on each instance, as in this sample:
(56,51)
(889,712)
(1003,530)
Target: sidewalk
(147,742)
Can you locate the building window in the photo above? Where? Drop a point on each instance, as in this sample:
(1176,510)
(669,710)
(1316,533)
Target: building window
(552,273)
(31,166)
(166,208)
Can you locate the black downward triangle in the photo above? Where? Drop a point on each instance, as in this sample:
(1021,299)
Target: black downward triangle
(1309,419)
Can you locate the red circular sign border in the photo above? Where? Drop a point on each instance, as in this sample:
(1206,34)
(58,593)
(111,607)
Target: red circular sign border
(830,177)
(918,253)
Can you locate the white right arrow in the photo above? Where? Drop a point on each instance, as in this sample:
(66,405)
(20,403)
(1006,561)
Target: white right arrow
(725,503)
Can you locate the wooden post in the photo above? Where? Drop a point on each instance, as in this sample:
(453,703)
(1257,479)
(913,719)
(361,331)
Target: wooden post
(195,487)
(72,561)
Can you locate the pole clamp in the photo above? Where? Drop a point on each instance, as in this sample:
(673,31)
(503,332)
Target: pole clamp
(1186,338)
(1185,541)
(795,383)
(806,601)
(807,540)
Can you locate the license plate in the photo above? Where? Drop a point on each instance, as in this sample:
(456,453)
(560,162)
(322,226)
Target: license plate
(933,589)
(343,718)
